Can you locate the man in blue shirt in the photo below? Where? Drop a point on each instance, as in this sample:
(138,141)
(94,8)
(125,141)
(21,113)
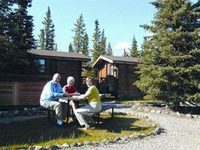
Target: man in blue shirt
(51,93)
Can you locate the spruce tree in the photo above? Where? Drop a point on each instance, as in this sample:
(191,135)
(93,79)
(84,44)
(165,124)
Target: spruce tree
(56,47)
(17,34)
(47,34)
(85,50)
(196,8)
(133,50)
(171,57)
(125,54)
(102,44)
(96,52)
(5,44)
(70,48)
(42,44)
(109,50)
(80,38)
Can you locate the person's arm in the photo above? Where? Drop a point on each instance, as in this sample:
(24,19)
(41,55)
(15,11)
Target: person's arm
(64,88)
(58,93)
(83,96)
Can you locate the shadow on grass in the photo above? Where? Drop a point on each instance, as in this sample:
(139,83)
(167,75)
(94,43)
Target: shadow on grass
(34,131)
(120,123)
(40,130)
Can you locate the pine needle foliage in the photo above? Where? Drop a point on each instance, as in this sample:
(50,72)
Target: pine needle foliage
(16,35)
(171,55)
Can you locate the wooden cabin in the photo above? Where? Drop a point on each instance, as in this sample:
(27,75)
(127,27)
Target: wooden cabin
(18,90)
(116,75)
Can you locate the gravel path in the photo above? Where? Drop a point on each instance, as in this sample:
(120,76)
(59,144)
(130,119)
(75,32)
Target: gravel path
(179,133)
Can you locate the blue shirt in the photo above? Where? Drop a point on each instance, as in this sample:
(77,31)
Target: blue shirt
(51,92)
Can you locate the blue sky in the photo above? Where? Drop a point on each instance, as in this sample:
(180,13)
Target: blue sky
(120,19)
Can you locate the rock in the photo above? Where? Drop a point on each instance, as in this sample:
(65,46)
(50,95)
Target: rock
(86,142)
(37,148)
(54,147)
(79,144)
(95,143)
(65,145)
(152,111)
(139,108)
(178,114)
(105,141)
(73,144)
(116,139)
(159,131)
(158,111)
(147,110)
(188,115)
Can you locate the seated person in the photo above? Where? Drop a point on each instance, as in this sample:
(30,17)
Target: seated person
(51,93)
(69,87)
(84,114)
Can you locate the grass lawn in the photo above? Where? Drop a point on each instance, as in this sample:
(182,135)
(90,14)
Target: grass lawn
(135,102)
(41,132)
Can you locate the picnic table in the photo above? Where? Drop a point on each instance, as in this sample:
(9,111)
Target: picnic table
(66,100)
(65,108)
(106,105)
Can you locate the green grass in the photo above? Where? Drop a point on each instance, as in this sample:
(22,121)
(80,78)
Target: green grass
(41,132)
(133,101)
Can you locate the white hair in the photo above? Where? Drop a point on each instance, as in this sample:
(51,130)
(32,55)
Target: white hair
(70,79)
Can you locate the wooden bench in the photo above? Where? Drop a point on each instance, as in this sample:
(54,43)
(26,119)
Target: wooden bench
(51,112)
(106,106)
(48,112)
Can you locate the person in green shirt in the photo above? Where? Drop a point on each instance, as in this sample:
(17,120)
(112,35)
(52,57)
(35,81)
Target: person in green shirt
(84,114)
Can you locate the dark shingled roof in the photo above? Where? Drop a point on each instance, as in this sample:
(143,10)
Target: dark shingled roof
(58,55)
(116,60)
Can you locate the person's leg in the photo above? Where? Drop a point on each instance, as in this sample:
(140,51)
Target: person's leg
(81,114)
(54,106)
(64,110)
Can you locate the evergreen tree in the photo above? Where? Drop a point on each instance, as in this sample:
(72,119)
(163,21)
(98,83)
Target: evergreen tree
(133,50)
(125,54)
(5,44)
(109,50)
(70,48)
(85,45)
(16,28)
(171,58)
(56,47)
(196,8)
(96,52)
(47,34)
(102,44)
(42,44)
(80,39)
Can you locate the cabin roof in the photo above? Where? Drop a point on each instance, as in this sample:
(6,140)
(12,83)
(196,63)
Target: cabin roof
(58,55)
(115,60)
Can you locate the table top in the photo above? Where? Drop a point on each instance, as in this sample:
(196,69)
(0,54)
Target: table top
(68,98)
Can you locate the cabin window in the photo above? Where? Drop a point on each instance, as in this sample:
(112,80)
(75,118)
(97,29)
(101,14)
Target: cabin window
(39,65)
(113,70)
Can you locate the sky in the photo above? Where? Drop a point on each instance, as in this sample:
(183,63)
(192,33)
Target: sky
(120,19)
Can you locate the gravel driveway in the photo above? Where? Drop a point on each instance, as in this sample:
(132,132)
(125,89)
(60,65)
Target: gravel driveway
(179,133)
